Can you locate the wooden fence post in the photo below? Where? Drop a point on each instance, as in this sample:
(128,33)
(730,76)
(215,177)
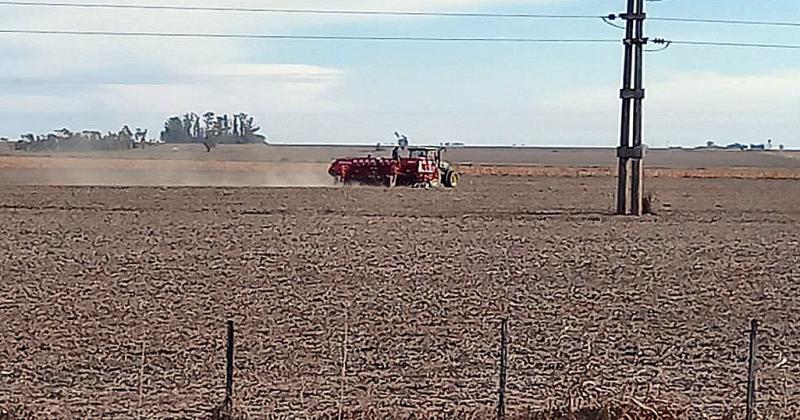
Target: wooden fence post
(229,368)
(501,401)
(751,370)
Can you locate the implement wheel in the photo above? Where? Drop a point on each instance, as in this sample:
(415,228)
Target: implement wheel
(451,179)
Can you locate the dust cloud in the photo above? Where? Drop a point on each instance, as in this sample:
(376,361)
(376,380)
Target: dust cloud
(67,172)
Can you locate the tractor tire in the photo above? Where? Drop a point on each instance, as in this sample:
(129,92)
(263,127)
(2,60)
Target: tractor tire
(451,179)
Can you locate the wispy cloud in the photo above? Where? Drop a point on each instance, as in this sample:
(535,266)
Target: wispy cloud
(696,106)
(288,72)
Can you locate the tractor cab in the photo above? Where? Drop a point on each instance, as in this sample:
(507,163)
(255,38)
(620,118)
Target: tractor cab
(449,177)
(430,153)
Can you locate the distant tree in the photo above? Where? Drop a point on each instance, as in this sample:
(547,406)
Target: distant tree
(140,135)
(126,133)
(223,128)
(174,131)
(210,120)
(186,123)
(239,122)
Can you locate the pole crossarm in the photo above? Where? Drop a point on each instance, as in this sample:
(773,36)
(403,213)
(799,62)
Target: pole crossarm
(636,152)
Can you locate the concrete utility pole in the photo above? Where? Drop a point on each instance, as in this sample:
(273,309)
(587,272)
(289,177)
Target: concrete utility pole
(630,148)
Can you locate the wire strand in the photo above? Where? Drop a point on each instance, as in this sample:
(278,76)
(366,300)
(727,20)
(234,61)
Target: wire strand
(308,37)
(608,22)
(296,11)
(381,12)
(388,38)
(730,44)
(726,21)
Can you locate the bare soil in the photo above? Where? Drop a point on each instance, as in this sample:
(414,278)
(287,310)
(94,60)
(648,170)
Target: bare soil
(599,306)
(276,166)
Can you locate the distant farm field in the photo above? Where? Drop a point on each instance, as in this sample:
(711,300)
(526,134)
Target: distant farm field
(259,165)
(484,155)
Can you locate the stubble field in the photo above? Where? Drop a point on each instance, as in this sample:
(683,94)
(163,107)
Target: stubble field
(411,283)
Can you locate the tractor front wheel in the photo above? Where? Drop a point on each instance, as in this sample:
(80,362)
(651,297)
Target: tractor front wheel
(451,179)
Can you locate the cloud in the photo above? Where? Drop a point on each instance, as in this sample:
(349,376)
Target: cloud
(43,104)
(88,65)
(698,92)
(693,107)
(41,57)
(291,72)
(256,97)
(710,93)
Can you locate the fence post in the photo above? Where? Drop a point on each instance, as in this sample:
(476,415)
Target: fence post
(229,368)
(751,370)
(501,402)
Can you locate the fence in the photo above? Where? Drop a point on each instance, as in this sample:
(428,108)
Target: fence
(500,369)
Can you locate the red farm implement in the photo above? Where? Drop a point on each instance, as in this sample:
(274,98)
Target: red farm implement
(423,167)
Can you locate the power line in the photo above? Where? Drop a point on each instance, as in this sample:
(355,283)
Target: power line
(385,13)
(727,21)
(386,38)
(668,42)
(296,11)
(739,44)
(309,37)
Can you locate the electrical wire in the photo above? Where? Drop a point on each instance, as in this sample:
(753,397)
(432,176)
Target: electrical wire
(309,37)
(608,21)
(725,44)
(739,44)
(726,21)
(388,38)
(295,11)
(385,13)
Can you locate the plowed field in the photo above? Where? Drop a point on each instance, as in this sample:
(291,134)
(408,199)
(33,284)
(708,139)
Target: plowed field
(411,283)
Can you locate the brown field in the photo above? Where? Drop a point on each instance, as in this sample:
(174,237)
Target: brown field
(599,306)
(303,166)
(656,158)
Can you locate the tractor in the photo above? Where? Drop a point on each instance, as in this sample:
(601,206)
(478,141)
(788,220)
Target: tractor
(422,167)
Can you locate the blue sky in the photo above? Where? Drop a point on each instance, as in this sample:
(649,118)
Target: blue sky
(342,92)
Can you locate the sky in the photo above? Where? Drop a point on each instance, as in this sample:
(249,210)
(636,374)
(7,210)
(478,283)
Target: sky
(362,92)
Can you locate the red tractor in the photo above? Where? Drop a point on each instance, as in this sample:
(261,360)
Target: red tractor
(423,167)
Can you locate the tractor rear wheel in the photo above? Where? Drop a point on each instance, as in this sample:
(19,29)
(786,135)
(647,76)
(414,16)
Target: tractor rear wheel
(451,179)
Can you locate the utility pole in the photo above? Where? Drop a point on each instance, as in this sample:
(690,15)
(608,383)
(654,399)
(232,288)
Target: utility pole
(630,148)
